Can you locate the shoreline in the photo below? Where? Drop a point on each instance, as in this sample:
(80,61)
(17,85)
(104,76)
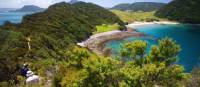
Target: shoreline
(135,24)
(96,42)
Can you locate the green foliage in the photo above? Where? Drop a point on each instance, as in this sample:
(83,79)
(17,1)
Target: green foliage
(134,50)
(102,72)
(129,16)
(153,69)
(166,51)
(105,28)
(181,10)
(139,6)
(50,35)
(106,72)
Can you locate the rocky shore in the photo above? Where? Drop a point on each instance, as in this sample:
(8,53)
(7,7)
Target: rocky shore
(96,42)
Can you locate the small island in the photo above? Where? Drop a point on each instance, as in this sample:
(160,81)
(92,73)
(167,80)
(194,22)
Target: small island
(29,8)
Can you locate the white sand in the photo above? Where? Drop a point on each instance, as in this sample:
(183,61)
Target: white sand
(132,25)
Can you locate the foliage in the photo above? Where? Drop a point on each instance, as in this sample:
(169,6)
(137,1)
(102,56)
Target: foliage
(129,16)
(106,72)
(167,51)
(105,28)
(139,6)
(53,55)
(186,11)
(150,70)
(134,50)
(50,35)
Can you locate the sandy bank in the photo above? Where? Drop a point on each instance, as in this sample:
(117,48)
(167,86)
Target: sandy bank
(132,25)
(95,42)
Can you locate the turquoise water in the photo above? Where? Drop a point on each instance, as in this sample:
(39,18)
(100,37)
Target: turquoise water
(187,36)
(14,17)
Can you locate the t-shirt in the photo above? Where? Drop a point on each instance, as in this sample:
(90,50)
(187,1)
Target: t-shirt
(24,71)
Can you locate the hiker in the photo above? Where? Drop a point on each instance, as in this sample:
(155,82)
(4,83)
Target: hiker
(24,70)
(32,79)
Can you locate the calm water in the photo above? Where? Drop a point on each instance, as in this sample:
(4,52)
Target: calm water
(14,17)
(188,36)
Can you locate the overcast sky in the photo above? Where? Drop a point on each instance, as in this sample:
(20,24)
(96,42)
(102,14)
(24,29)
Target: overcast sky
(46,3)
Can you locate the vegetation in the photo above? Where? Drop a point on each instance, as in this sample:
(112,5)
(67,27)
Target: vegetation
(47,41)
(186,11)
(129,16)
(140,71)
(105,28)
(139,6)
(48,35)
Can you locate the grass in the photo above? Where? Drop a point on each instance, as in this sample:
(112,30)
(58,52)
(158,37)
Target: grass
(135,16)
(105,28)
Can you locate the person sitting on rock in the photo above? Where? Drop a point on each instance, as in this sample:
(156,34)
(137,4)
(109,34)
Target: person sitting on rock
(24,70)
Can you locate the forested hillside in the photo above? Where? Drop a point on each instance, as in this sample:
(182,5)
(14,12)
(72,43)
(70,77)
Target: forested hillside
(47,35)
(136,16)
(140,6)
(181,10)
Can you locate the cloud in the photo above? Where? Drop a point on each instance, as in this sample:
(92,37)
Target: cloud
(41,3)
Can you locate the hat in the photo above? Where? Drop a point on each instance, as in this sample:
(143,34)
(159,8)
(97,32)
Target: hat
(25,64)
(29,73)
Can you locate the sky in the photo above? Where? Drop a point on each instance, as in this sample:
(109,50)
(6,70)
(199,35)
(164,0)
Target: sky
(46,3)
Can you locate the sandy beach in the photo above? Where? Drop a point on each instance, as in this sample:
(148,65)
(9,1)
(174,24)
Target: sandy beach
(132,25)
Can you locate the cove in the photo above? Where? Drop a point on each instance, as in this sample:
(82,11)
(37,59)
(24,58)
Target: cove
(186,35)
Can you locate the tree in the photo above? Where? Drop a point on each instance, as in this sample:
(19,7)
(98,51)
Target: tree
(166,51)
(134,50)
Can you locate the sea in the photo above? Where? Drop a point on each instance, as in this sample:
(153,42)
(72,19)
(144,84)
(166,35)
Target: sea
(14,17)
(186,35)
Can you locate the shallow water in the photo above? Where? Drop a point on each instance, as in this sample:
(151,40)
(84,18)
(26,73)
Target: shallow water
(187,36)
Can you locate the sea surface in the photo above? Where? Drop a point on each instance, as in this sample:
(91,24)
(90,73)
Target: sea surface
(14,17)
(187,36)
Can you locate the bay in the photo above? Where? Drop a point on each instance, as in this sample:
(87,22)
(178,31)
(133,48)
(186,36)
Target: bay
(186,35)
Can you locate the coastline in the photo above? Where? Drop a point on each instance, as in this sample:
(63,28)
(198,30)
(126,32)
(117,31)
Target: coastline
(132,25)
(96,42)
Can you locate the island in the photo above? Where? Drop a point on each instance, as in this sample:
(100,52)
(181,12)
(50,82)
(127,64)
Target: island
(29,8)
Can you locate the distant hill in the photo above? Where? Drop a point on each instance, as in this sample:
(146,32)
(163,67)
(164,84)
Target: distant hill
(181,10)
(139,6)
(29,8)
(73,1)
(6,9)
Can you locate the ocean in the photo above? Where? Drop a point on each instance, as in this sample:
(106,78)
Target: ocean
(14,17)
(187,36)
